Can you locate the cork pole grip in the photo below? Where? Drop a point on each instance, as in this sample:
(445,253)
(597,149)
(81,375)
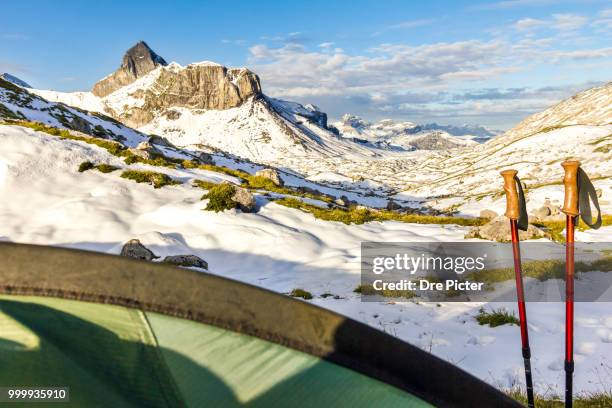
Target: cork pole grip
(570,181)
(512,198)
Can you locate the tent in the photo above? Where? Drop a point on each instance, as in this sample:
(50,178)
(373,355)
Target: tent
(121,332)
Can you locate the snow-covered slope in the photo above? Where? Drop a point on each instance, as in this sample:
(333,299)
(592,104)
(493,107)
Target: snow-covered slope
(17,103)
(260,128)
(14,80)
(579,127)
(47,201)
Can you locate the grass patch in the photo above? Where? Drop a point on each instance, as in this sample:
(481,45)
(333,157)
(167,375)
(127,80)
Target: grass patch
(360,215)
(203,184)
(220,197)
(556,228)
(114,148)
(368,290)
(157,180)
(496,317)
(86,165)
(587,400)
(301,293)
(541,270)
(106,168)
(103,168)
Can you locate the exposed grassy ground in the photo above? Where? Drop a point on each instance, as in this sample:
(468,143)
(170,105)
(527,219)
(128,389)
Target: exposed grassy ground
(355,215)
(556,228)
(541,270)
(114,148)
(220,197)
(590,400)
(103,168)
(157,180)
(495,317)
(368,290)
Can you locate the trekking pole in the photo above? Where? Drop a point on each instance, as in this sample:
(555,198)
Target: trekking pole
(578,191)
(517,214)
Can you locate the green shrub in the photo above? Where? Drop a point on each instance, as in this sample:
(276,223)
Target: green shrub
(301,293)
(220,197)
(496,317)
(158,180)
(86,165)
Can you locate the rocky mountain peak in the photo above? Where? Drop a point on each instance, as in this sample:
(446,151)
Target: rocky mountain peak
(141,59)
(138,61)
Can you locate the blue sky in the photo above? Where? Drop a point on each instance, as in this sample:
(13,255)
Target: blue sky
(456,62)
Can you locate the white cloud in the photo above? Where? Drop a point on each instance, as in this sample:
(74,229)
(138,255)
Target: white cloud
(582,54)
(568,22)
(292,70)
(529,24)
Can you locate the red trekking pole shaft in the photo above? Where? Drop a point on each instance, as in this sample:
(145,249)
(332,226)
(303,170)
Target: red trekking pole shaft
(570,208)
(513,214)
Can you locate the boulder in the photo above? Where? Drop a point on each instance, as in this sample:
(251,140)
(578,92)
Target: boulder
(244,199)
(498,229)
(187,260)
(488,214)
(205,158)
(160,141)
(343,201)
(145,150)
(272,175)
(393,206)
(548,212)
(134,249)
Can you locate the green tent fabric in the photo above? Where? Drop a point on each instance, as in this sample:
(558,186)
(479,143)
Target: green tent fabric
(120,333)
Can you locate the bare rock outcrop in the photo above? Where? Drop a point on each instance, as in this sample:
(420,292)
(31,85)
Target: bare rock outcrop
(137,61)
(272,175)
(498,229)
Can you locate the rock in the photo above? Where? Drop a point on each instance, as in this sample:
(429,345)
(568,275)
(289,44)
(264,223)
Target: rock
(271,174)
(137,61)
(145,150)
(393,206)
(548,212)
(498,229)
(488,214)
(206,158)
(160,141)
(80,124)
(134,249)
(244,199)
(186,260)
(542,212)
(340,202)
(140,153)
(204,85)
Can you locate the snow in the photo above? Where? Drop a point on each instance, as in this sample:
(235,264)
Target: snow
(279,248)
